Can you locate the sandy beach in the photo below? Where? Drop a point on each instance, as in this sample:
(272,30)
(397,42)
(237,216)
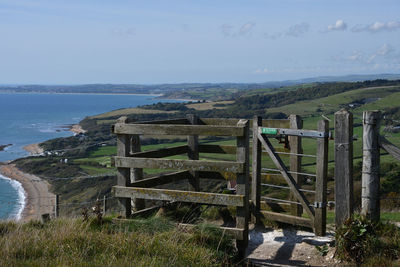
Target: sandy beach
(38,199)
(33,149)
(77,129)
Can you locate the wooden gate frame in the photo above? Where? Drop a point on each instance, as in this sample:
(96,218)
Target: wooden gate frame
(316,212)
(130,162)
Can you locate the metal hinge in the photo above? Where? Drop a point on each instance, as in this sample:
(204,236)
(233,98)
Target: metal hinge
(319,205)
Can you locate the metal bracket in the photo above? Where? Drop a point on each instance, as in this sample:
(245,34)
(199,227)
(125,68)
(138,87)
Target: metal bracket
(293,132)
(319,205)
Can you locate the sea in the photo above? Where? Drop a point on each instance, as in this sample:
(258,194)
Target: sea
(33,118)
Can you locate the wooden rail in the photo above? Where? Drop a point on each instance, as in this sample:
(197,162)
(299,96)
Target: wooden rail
(130,162)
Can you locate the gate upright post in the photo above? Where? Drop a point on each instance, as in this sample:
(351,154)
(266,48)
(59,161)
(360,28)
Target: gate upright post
(242,187)
(123,174)
(193,153)
(136,173)
(343,166)
(295,161)
(256,172)
(370,205)
(321,180)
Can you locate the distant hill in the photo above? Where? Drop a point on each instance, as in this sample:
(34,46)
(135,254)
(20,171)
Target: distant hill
(186,90)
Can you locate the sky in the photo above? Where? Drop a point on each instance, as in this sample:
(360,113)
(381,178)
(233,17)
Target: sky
(170,41)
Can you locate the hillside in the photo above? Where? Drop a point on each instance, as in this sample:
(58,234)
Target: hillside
(89,154)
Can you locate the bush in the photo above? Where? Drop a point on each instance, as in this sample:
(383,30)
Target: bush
(359,240)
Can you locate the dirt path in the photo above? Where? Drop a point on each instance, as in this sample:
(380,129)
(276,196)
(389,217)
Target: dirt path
(288,247)
(39,200)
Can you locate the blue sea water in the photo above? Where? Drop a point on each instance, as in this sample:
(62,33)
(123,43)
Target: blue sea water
(34,118)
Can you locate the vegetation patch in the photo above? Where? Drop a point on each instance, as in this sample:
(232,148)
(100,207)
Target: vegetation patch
(150,242)
(360,240)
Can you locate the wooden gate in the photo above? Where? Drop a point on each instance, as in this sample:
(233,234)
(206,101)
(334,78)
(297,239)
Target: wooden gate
(130,162)
(315,211)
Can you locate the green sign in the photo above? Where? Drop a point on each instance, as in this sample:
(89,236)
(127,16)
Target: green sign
(269,131)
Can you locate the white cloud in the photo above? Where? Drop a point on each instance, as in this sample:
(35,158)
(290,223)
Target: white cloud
(229,30)
(385,50)
(340,25)
(356,56)
(262,71)
(298,30)
(273,36)
(226,29)
(246,28)
(384,54)
(377,27)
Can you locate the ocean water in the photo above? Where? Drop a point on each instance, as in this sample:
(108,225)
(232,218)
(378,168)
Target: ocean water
(34,118)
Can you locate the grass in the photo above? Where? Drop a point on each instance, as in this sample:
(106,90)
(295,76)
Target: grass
(209,105)
(146,242)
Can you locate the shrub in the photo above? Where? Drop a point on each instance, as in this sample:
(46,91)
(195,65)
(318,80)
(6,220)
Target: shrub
(360,239)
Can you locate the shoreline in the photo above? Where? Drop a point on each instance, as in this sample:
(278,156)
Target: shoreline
(33,149)
(77,129)
(38,198)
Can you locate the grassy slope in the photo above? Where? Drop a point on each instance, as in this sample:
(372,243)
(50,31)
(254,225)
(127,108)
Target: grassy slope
(149,242)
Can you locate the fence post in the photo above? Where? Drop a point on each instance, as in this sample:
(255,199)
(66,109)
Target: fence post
(136,173)
(57,206)
(193,153)
(256,171)
(242,187)
(123,174)
(343,166)
(370,205)
(321,180)
(295,161)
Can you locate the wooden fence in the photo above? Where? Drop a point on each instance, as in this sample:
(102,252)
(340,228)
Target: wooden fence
(130,162)
(133,189)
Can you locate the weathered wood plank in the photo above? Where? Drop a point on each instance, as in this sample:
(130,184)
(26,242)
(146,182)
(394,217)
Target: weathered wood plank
(343,166)
(156,129)
(295,161)
(234,232)
(321,180)
(290,219)
(162,179)
(242,187)
(123,174)
(193,154)
(256,171)
(161,153)
(370,202)
(181,196)
(217,149)
(193,165)
(145,212)
(136,173)
(289,179)
(218,121)
(393,150)
(169,121)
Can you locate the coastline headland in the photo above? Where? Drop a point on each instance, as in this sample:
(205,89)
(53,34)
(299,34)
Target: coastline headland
(2,147)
